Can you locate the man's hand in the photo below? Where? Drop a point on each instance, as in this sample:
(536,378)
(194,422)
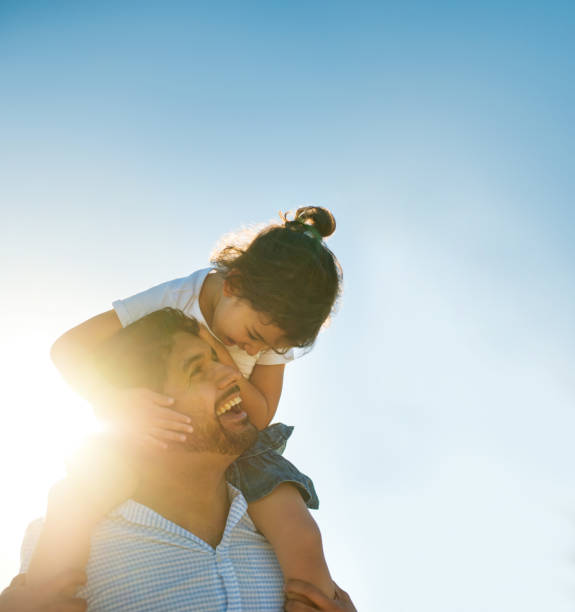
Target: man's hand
(297,591)
(99,479)
(53,596)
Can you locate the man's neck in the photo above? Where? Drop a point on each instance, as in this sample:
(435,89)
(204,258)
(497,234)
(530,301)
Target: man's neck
(189,491)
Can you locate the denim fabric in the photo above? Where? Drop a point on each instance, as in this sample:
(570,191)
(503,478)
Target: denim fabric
(261,468)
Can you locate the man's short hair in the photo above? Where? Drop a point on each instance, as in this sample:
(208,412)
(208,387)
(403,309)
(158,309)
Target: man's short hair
(136,355)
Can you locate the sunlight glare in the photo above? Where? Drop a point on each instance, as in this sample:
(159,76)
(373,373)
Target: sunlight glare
(45,422)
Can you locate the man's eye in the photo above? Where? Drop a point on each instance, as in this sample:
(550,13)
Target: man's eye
(196,370)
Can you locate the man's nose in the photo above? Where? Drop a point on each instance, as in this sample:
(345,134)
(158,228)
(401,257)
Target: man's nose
(226,376)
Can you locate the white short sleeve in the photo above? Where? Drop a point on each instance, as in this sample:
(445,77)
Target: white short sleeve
(181,293)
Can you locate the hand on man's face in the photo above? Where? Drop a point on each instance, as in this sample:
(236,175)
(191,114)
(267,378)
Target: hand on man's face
(57,595)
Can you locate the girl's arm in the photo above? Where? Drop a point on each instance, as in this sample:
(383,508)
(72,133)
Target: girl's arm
(261,393)
(151,419)
(268,381)
(72,354)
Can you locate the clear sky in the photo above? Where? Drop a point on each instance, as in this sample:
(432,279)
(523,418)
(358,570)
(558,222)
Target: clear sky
(436,415)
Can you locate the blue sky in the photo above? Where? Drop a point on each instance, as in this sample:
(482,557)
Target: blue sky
(435,414)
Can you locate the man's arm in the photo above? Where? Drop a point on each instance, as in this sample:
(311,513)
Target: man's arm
(99,480)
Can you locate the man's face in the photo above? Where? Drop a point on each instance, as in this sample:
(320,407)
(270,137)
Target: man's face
(206,390)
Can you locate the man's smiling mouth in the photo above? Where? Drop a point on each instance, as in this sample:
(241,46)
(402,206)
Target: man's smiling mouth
(229,405)
(225,405)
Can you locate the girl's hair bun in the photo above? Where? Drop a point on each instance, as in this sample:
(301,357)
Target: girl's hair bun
(320,218)
(288,273)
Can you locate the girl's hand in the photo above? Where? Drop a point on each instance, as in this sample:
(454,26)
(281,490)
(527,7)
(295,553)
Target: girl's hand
(145,416)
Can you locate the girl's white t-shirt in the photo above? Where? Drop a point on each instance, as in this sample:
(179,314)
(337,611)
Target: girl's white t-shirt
(184,294)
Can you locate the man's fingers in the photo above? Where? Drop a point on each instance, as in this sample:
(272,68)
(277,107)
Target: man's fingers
(290,595)
(292,605)
(305,589)
(341,594)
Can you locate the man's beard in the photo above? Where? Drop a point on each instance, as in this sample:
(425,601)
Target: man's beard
(212,437)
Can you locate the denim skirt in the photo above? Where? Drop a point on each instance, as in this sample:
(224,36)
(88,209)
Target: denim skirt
(260,469)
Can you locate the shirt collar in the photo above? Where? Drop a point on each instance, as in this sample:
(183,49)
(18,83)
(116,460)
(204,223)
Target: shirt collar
(136,513)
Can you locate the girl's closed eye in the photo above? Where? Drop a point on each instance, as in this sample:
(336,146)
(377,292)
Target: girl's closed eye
(257,338)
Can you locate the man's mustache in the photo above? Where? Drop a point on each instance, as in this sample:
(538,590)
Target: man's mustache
(231,391)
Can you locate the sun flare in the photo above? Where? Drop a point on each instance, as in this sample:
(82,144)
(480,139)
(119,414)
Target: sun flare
(45,421)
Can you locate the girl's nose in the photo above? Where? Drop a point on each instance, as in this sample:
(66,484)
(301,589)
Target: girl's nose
(251,350)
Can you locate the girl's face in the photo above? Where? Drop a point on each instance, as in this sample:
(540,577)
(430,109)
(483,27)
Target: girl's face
(236,323)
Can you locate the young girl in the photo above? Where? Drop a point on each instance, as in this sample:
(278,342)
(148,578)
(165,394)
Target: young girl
(259,303)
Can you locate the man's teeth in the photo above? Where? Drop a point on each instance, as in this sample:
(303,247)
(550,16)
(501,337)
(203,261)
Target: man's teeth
(228,406)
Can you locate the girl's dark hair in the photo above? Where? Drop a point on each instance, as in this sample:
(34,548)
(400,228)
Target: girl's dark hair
(288,273)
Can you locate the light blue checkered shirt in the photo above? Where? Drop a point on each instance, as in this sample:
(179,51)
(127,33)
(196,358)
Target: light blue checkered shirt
(141,561)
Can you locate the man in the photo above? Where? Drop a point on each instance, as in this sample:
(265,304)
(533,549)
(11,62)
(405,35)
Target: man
(183,541)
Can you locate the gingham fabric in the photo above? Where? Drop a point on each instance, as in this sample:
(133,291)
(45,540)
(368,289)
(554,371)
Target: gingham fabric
(141,561)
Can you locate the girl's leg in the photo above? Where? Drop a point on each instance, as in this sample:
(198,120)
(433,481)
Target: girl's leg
(283,518)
